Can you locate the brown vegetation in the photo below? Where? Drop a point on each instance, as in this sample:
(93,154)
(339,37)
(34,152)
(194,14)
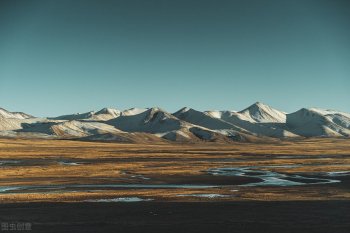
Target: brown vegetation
(106,163)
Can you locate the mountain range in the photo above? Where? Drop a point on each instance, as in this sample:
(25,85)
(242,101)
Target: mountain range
(258,122)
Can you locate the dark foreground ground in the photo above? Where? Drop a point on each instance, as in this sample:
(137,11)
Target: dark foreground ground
(233,217)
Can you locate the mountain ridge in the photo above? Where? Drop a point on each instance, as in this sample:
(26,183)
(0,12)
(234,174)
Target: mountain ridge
(259,121)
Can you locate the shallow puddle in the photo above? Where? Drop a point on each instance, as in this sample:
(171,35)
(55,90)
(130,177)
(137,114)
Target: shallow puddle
(269,178)
(89,187)
(68,163)
(120,199)
(8,189)
(338,173)
(9,162)
(205,195)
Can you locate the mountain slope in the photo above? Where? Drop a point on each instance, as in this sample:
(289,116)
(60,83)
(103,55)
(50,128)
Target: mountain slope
(68,129)
(75,116)
(104,114)
(13,120)
(258,122)
(168,126)
(205,120)
(276,130)
(153,120)
(319,123)
(14,115)
(10,123)
(133,111)
(258,119)
(80,129)
(263,113)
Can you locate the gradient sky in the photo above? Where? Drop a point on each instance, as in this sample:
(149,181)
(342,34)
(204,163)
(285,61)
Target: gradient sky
(59,57)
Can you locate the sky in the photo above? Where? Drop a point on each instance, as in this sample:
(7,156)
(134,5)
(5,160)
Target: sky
(60,57)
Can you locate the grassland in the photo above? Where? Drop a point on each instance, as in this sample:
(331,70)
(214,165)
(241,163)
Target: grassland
(31,163)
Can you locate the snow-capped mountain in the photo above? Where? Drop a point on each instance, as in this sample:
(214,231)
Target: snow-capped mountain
(163,124)
(263,113)
(155,125)
(13,120)
(9,123)
(269,129)
(153,120)
(14,115)
(133,111)
(204,119)
(259,119)
(104,114)
(317,122)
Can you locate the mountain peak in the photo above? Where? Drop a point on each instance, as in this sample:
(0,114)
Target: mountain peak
(259,104)
(133,111)
(260,112)
(111,111)
(182,110)
(16,115)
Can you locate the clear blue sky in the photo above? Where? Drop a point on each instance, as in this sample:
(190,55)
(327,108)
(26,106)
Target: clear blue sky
(59,57)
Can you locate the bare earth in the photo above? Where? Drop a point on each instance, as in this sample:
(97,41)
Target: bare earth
(40,179)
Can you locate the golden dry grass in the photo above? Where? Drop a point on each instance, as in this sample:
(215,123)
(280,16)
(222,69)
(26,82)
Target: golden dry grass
(121,163)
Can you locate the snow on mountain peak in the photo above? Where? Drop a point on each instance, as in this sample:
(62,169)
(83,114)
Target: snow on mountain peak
(75,116)
(133,111)
(263,113)
(318,122)
(109,113)
(182,110)
(151,120)
(215,114)
(15,115)
(258,120)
